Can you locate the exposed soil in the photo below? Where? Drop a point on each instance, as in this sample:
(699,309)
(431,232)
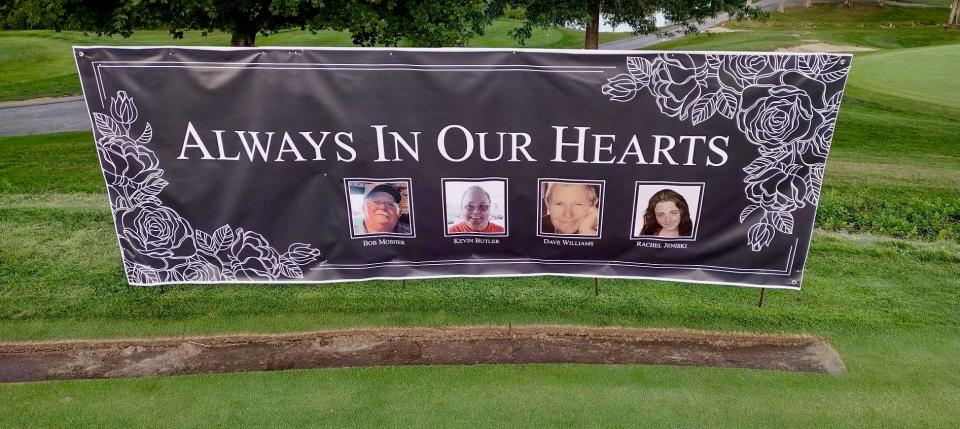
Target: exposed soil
(825,47)
(31,361)
(722,29)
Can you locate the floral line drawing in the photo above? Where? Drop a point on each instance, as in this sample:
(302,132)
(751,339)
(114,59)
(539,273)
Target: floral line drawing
(785,105)
(157,244)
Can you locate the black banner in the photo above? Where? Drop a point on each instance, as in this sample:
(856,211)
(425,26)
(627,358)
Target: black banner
(321,165)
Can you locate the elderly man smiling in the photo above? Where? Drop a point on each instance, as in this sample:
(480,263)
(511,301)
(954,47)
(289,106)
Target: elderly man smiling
(475,208)
(381,212)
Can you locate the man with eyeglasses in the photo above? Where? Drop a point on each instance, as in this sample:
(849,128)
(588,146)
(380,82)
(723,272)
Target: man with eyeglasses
(381,212)
(475,213)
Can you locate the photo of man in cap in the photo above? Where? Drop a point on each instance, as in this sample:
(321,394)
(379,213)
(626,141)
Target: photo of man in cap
(381,211)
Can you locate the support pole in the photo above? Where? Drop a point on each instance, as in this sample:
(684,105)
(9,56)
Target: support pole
(403,284)
(761,297)
(162,290)
(596,287)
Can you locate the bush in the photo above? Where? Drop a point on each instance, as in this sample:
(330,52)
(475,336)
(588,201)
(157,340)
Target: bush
(896,214)
(517,13)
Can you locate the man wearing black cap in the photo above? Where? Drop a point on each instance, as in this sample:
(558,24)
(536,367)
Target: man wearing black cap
(381,212)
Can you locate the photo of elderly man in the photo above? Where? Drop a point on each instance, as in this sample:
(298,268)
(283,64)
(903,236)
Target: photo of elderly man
(475,208)
(380,209)
(570,208)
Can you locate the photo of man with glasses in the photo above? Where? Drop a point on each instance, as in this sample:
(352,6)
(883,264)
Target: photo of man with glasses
(381,210)
(475,206)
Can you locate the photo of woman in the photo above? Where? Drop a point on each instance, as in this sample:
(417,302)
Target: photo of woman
(667,215)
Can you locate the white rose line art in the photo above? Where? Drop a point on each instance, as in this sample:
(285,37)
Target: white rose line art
(159,245)
(790,123)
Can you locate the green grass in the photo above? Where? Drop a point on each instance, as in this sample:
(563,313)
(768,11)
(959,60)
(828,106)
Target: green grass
(880,391)
(61,264)
(864,25)
(936,3)
(894,168)
(39,63)
(896,73)
(890,306)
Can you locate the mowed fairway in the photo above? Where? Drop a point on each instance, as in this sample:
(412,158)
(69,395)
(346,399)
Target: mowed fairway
(882,284)
(923,74)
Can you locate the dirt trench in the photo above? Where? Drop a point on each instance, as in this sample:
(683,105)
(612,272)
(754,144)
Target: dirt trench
(33,361)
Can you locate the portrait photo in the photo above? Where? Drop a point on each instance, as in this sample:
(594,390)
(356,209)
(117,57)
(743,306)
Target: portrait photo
(380,207)
(475,206)
(667,210)
(570,207)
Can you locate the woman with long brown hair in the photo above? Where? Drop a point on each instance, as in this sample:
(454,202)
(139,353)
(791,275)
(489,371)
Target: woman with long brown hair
(667,215)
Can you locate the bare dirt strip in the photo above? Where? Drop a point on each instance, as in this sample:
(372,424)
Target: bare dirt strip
(32,361)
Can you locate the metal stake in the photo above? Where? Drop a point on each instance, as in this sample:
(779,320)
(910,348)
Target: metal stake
(596,287)
(761,297)
(161,290)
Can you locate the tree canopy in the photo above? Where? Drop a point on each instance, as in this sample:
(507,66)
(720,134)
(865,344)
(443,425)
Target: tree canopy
(371,22)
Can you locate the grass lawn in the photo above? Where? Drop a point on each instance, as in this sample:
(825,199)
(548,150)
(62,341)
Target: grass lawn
(894,168)
(882,283)
(863,25)
(896,380)
(894,73)
(40,64)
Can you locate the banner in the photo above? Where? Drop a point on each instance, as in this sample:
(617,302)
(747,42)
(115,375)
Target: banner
(321,165)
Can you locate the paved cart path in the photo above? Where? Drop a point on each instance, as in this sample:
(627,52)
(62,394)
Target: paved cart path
(43,116)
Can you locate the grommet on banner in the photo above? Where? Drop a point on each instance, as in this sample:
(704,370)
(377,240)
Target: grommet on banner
(80,54)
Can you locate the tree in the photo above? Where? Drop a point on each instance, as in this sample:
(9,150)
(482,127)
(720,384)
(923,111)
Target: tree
(638,14)
(103,17)
(954,19)
(432,23)
(385,22)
